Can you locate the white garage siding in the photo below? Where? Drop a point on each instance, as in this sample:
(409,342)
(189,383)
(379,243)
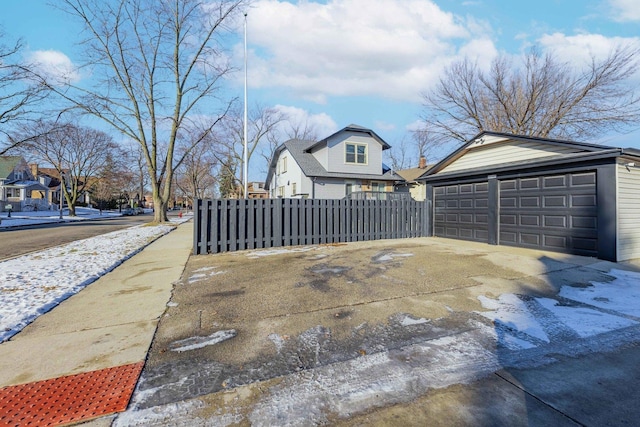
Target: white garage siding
(512,151)
(628,244)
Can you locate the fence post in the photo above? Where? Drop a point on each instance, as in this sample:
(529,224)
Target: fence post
(196,226)
(278,219)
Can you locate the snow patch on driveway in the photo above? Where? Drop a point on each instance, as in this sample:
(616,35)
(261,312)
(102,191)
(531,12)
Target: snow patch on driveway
(510,311)
(585,321)
(621,295)
(199,342)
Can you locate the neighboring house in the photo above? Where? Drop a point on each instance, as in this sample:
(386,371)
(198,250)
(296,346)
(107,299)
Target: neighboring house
(417,189)
(255,190)
(345,162)
(51,178)
(19,187)
(539,193)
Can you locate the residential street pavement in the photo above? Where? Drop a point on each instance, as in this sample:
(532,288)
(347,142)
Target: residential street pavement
(398,332)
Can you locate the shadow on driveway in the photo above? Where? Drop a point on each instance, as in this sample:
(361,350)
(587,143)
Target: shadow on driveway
(382,332)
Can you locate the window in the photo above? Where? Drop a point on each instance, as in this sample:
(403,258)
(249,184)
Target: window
(348,189)
(294,189)
(281,191)
(378,186)
(356,153)
(283,166)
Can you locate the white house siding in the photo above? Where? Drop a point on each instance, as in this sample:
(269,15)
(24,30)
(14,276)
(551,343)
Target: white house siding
(512,151)
(331,189)
(419,192)
(322,156)
(336,155)
(287,179)
(628,244)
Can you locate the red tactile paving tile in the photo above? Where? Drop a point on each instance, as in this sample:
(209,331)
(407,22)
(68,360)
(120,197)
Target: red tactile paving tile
(69,399)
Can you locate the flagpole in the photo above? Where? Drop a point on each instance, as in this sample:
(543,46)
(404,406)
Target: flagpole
(246,153)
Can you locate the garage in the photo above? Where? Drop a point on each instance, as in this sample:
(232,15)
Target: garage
(554,195)
(461,211)
(555,212)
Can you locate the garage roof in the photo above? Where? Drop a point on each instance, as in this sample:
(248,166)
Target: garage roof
(559,152)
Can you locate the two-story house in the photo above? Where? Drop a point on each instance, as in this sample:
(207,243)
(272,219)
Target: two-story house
(19,187)
(343,163)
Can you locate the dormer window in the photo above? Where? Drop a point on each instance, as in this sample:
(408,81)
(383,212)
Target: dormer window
(18,175)
(356,153)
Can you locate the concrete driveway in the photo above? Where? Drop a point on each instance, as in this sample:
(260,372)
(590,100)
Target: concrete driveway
(397,332)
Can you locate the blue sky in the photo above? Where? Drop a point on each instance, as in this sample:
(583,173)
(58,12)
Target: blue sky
(338,62)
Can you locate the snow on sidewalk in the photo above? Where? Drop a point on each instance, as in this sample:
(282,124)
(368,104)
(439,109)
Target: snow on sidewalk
(32,284)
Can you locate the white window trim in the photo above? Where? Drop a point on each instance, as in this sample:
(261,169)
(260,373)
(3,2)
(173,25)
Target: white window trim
(356,145)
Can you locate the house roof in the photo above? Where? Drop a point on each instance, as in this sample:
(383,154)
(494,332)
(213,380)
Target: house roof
(413,173)
(584,151)
(351,128)
(31,185)
(300,150)
(8,164)
(312,168)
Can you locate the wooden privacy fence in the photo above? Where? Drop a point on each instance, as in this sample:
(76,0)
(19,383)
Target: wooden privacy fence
(223,225)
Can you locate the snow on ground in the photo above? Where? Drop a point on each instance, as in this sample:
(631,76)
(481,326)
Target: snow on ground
(32,284)
(523,321)
(46,217)
(199,342)
(512,312)
(622,294)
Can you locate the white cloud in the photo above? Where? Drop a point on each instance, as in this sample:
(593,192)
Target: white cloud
(625,10)
(380,125)
(389,48)
(55,65)
(415,125)
(321,122)
(580,48)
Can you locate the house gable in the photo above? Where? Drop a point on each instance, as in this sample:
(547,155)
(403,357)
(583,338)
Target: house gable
(331,152)
(491,149)
(14,168)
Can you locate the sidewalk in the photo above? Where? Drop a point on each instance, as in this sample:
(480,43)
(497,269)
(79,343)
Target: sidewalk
(109,324)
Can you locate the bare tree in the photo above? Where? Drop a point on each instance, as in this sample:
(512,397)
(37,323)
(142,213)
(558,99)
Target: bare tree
(77,153)
(289,129)
(112,182)
(19,92)
(400,155)
(262,124)
(302,130)
(139,169)
(157,66)
(409,152)
(544,97)
(195,177)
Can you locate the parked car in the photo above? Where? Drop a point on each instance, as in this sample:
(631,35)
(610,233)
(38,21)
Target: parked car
(128,212)
(139,210)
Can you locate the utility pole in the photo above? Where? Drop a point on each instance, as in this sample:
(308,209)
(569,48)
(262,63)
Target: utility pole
(246,153)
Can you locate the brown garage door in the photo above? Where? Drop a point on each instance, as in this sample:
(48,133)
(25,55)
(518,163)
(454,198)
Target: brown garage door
(462,211)
(553,212)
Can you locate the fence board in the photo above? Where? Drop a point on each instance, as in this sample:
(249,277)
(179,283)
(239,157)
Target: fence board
(230,225)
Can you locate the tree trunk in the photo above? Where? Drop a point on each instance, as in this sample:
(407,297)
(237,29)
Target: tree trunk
(159,209)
